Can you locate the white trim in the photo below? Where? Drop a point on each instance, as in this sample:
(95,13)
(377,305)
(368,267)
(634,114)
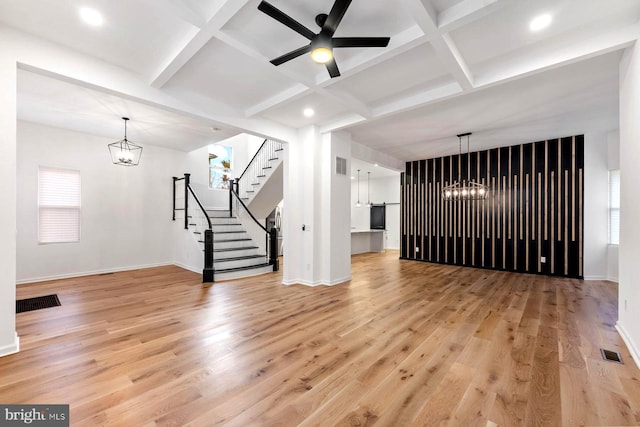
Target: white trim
(317,283)
(11,348)
(635,354)
(612,279)
(595,278)
(90,273)
(187,267)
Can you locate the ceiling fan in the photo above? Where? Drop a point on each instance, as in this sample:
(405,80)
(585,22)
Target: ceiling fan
(321,44)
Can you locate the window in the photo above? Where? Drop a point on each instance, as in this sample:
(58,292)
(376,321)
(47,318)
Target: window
(219,167)
(614,207)
(58,205)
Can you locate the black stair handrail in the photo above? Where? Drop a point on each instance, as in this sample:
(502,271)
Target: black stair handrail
(204,211)
(208,272)
(271,235)
(247,209)
(252,159)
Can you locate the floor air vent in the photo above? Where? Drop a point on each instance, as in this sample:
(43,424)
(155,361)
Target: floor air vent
(611,356)
(37,303)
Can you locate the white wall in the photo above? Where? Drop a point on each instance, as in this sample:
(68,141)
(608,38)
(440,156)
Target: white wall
(385,190)
(613,142)
(126,211)
(629,289)
(9,341)
(318,198)
(596,204)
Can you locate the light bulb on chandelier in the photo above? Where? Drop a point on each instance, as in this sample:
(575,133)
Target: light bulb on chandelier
(464,189)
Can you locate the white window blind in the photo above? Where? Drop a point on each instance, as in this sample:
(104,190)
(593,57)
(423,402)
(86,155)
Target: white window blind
(58,205)
(614,207)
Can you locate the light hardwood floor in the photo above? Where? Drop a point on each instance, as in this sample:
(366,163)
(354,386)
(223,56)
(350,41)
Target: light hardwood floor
(403,343)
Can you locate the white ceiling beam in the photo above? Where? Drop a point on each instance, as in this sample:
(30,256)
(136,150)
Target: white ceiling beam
(180,9)
(399,44)
(467,11)
(342,122)
(424,14)
(520,68)
(51,59)
(418,99)
(353,103)
(563,53)
(445,48)
(295,92)
(453,61)
(225,12)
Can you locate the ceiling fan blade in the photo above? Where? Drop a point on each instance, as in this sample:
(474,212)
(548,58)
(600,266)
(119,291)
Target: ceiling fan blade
(332,68)
(291,55)
(335,16)
(360,41)
(285,19)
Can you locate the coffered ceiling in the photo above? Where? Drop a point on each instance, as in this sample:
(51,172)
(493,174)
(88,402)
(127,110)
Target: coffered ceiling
(190,72)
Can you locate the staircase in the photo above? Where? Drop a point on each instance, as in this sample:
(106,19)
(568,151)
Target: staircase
(260,185)
(235,253)
(234,243)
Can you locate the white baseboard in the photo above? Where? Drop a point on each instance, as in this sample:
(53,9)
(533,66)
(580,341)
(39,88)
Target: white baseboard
(635,354)
(317,282)
(90,273)
(595,278)
(11,348)
(188,267)
(612,279)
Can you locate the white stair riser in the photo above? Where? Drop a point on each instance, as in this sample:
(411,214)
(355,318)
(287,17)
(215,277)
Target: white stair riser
(217,256)
(223,220)
(218,214)
(230,236)
(225,227)
(243,273)
(217,265)
(227,245)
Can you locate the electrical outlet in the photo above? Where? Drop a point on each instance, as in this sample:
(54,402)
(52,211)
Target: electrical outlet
(417,250)
(543,259)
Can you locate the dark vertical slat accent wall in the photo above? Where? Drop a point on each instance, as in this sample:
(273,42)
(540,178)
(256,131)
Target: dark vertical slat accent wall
(534,209)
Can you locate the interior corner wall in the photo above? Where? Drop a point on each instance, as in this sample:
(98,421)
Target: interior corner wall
(613,259)
(126,211)
(596,205)
(531,221)
(336,193)
(300,174)
(9,341)
(629,250)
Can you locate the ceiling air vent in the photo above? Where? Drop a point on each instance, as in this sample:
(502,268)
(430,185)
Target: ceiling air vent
(341,166)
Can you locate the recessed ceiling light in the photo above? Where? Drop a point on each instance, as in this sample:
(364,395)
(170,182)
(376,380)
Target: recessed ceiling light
(91,16)
(308,112)
(353,177)
(376,165)
(540,22)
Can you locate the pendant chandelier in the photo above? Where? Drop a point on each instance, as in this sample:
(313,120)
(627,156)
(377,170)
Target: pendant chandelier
(465,189)
(125,152)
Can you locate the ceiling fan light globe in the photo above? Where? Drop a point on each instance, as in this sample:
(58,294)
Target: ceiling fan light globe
(322,55)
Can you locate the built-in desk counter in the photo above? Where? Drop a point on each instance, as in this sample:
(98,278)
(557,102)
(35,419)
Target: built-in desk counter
(367,241)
